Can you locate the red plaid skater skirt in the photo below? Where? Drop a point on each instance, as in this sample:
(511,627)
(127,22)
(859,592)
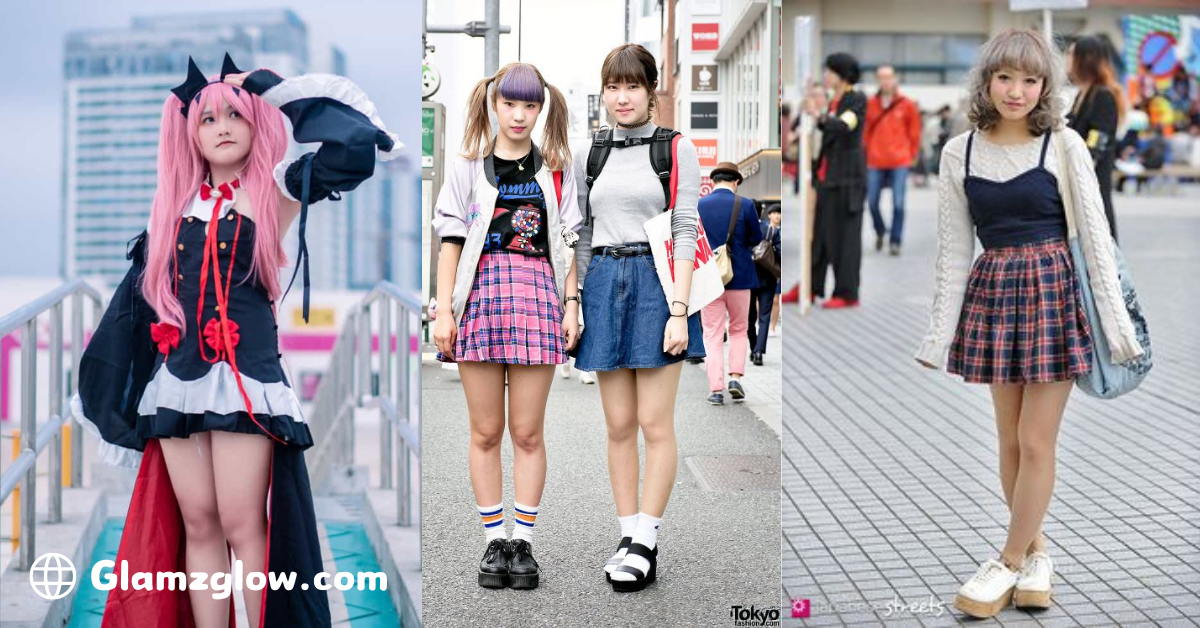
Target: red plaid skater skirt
(513,314)
(1021,320)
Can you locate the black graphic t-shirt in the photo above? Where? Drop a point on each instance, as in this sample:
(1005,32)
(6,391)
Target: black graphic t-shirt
(519,224)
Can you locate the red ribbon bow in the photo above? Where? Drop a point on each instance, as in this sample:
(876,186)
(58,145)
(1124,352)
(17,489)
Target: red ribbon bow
(214,335)
(165,335)
(225,189)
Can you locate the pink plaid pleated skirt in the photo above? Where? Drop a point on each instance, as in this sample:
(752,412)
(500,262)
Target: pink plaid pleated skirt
(513,314)
(1022,322)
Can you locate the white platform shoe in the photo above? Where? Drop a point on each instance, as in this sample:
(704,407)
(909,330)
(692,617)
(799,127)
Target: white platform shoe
(1033,587)
(988,591)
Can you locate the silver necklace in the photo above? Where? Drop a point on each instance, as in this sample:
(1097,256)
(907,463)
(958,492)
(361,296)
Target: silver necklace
(521,162)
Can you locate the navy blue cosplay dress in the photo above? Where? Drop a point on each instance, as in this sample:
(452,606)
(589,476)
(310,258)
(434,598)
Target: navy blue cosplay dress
(141,380)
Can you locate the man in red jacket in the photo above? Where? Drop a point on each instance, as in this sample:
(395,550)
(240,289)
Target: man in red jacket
(892,139)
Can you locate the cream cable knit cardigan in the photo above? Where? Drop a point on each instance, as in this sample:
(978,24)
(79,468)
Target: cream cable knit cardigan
(956,238)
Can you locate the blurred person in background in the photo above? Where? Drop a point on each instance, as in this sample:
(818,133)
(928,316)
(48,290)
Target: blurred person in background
(1098,110)
(731,221)
(892,141)
(762,298)
(840,181)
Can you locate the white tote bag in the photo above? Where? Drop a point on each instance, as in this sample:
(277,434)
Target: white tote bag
(706,279)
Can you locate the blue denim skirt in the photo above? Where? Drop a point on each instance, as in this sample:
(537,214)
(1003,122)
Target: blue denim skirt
(625,315)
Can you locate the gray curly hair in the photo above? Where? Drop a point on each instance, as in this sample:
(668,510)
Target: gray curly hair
(1028,51)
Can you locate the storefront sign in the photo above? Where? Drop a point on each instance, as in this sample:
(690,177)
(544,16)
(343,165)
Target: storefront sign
(705,37)
(704,78)
(704,116)
(706,150)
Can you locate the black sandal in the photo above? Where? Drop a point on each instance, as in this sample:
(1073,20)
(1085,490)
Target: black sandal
(623,545)
(493,569)
(642,580)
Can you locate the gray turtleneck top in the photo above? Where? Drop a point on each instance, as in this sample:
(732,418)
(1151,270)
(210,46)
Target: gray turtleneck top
(628,193)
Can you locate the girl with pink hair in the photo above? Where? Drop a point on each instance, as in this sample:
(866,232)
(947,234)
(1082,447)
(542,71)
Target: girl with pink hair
(182,378)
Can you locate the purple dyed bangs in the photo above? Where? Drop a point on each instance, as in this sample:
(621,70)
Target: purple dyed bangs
(522,83)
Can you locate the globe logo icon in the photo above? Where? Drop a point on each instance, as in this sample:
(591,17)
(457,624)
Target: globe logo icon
(52,576)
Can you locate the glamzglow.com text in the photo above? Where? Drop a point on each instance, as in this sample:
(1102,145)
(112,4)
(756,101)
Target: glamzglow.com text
(222,584)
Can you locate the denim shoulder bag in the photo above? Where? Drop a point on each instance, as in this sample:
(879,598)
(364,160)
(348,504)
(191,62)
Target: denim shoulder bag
(1106,380)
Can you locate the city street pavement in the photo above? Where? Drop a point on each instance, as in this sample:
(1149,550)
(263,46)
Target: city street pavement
(718,540)
(891,489)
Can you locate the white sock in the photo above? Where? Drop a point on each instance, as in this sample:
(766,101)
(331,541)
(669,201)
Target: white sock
(524,517)
(493,521)
(645,534)
(628,526)
(647,530)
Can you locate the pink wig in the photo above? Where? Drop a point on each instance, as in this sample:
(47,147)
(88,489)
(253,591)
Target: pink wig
(181,170)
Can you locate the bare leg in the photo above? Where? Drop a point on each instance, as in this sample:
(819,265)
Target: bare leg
(656,391)
(242,468)
(1042,409)
(483,385)
(775,314)
(618,395)
(190,466)
(1006,398)
(528,387)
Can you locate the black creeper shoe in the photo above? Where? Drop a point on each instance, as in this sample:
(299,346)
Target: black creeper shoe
(523,570)
(494,568)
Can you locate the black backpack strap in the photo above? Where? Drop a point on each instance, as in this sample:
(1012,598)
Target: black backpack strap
(597,155)
(661,160)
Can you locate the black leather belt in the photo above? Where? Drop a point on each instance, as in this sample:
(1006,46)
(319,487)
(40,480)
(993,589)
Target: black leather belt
(625,250)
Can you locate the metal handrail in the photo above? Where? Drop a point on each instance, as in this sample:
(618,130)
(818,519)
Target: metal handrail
(23,469)
(348,384)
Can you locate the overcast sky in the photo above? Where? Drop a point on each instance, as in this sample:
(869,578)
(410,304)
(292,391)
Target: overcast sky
(567,41)
(380,38)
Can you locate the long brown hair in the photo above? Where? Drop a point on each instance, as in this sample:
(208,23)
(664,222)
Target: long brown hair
(632,63)
(1092,64)
(517,81)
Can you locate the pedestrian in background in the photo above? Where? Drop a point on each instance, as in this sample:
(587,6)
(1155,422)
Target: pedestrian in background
(762,298)
(893,141)
(731,221)
(841,171)
(1098,110)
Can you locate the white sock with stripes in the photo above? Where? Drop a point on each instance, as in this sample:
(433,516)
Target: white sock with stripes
(524,518)
(493,521)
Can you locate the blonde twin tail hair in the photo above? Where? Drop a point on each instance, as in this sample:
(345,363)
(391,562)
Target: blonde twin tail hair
(517,81)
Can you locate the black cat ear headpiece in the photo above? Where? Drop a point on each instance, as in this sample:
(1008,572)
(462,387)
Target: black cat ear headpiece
(189,91)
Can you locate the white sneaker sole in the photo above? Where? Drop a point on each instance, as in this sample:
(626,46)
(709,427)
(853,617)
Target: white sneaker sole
(982,609)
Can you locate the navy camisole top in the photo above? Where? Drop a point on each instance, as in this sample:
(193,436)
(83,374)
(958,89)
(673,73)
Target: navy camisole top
(1022,210)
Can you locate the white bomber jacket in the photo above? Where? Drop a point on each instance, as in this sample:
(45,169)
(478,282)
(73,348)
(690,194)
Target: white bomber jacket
(465,207)
(956,249)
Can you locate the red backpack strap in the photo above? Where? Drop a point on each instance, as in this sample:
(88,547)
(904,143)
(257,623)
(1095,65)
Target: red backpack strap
(674,168)
(558,186)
